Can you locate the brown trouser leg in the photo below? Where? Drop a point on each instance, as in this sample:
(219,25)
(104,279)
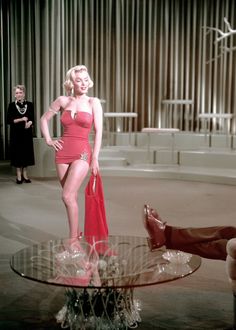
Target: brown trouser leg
(208,242)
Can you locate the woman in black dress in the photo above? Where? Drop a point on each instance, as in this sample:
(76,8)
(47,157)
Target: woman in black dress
(20,117)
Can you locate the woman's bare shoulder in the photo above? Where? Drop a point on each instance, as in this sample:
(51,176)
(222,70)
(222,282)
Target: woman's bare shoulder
(62,101)
(94,101)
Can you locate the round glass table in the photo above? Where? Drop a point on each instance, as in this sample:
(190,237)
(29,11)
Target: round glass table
(100,276)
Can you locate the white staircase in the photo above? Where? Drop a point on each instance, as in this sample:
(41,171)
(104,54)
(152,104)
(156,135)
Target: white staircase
(196,157)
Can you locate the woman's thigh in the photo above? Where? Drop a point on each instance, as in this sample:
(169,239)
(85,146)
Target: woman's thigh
(75,176)
(62,171)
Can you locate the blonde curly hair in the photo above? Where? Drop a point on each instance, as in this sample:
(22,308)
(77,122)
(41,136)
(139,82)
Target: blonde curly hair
(70,76)
(20,87)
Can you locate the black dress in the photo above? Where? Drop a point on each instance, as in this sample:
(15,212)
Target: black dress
(21,139)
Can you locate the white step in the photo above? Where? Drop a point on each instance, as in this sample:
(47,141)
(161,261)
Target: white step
(208,158)
(114,161)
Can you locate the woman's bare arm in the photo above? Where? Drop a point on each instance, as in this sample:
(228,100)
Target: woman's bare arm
(98,127)
(54,108)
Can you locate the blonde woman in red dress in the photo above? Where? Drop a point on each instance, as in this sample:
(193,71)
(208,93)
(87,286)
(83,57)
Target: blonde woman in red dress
(74,155)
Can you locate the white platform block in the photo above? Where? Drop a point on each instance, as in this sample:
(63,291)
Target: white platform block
(115,161)
(186,141)
(111,152)
(166,156)
(122,139)
(137,156)
(182,140)
(208,158)
(133,155)
(158,140)
(234,142)
(221,141)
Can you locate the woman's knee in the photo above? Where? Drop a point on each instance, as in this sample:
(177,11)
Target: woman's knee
(68,198)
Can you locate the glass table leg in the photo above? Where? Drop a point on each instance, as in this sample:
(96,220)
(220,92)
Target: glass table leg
(100,309)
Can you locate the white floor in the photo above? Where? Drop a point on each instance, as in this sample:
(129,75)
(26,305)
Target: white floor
(31,213)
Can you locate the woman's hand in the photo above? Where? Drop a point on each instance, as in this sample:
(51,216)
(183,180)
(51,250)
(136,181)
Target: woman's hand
(19,120)
(56,144)
(24,119)
(94,166)
(28,124)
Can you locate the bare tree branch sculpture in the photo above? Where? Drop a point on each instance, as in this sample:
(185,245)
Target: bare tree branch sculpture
(222,35)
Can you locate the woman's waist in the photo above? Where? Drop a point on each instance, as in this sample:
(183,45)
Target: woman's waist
(66,137)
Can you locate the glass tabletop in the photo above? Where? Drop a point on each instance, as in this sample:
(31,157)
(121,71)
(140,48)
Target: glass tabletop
(115,262)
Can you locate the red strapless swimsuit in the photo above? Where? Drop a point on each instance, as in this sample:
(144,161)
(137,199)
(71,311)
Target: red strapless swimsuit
(75,137)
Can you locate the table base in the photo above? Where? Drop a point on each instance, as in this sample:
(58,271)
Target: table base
(100,309)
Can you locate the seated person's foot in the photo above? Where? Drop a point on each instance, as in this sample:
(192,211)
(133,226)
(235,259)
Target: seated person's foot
(155,227)
(156,216)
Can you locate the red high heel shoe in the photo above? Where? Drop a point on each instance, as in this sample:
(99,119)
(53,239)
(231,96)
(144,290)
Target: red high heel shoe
(155,228)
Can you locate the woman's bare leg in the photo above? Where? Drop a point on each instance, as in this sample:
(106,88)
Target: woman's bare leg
(18,173)
(24,172)
(71,178)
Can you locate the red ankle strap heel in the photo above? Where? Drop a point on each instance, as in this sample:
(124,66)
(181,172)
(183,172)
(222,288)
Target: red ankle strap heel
(155,228)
